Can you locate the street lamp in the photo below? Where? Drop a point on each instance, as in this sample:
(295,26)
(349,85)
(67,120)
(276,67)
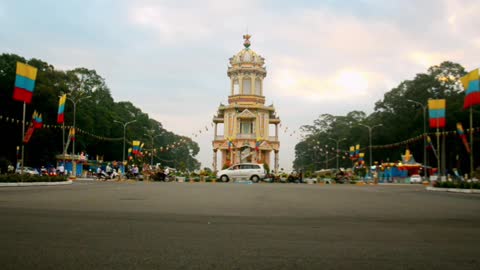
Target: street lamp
(75,100)
(424,107)
(337,141)
(151,131)
(125,124)
(370,139)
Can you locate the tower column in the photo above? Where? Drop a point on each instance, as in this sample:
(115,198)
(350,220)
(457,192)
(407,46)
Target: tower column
(215,160)
(240,82)
(252,84)
(261,86)
(276,131)
(231,86)
(215,131)
(276,162)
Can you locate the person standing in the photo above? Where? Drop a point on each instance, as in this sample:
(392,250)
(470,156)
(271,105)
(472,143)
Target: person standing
(108,170)
(135,171)
(61,169)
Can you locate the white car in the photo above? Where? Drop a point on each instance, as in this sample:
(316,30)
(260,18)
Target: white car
(247,171)
(415,178)
(28,170)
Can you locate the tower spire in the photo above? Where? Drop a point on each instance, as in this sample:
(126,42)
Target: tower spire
(246,41)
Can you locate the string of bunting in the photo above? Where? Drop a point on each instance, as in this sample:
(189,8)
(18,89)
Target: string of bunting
(420,137)
(78,130)
(398,144)
(281,129)
(164,148)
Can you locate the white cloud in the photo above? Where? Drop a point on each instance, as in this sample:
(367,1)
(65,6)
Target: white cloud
(170,24)
(314,56)
(188,21)
(319,60)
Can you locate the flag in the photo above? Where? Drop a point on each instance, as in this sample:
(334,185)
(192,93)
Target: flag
(462,136)
(352,152)
(141,149)
(36,123)
(430,146)
(360,158)
(357,150)
(24,82)
(136,147)
(37,120)
(436,112)
(257,144)
(28,134)
(61,108)
(471,84)
(71,134)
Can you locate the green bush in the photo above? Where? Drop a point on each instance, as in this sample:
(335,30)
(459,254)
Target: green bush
(462,185)
(15,178)
(266,167)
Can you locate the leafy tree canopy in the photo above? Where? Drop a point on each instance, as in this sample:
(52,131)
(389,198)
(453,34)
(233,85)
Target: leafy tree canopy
(96,113)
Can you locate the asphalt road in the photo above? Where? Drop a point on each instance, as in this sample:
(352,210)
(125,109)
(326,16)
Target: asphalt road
(99,225)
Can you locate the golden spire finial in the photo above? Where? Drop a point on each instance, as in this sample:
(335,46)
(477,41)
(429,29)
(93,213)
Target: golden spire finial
(246,41)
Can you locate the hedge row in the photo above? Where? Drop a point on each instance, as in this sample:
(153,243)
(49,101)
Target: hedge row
(15,178)
(463,185)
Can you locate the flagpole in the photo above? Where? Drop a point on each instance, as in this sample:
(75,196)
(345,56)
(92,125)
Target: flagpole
(23,134)
(63,143)
(471,144)
(438,153)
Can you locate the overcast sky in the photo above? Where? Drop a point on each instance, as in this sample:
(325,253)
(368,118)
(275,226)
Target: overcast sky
(170,58)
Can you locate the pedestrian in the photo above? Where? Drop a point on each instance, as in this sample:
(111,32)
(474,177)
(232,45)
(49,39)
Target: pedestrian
(99,172)
(61,169)
(135,171)
(109,170)
(10,168)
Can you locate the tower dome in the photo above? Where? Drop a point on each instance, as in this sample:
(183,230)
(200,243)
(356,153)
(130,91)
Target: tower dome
(246,72)
(247,55)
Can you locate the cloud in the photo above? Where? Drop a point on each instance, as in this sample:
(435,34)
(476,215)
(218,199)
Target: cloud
(170,57)
(169,24)
(186,20)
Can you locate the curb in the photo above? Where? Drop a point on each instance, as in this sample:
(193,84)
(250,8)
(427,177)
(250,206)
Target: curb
(454,190)
(27,184)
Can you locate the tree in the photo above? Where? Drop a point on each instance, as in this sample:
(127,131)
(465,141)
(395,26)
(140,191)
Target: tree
(401,120)
(95,115)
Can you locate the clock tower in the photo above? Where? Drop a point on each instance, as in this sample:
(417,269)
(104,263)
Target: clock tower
(246,120)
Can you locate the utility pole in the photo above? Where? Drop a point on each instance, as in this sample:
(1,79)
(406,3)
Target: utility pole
(125,124)
(75,99)
(424,108)
(370,139)
(337,141)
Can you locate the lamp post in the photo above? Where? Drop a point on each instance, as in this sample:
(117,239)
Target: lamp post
(337,141)
(326,158)
(125,124)
(151,131)
(370,139)
(75,100)
(424,108)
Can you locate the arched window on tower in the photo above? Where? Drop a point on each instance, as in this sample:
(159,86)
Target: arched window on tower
(258,87)
(247,86)
(236,87)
